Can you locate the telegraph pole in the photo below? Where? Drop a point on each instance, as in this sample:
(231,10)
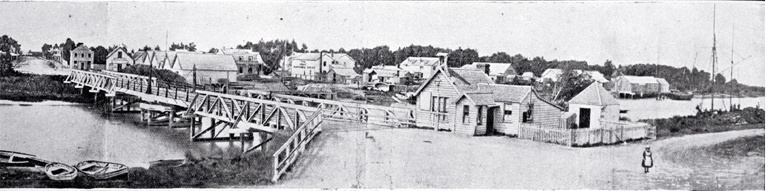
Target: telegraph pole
(714,57)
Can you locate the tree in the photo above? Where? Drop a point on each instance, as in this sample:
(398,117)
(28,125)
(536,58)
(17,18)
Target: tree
(100,55)
(157,48)
(7,45)
(191,47)
(46,47)
(569,85)
(66,48)
(719,79)
(608,68)
(213,51)
(146,48)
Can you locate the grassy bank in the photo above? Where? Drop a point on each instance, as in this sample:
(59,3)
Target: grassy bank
(36,88)
(709,122)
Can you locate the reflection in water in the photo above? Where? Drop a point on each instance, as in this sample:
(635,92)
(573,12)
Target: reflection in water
(652,108)
(74,133)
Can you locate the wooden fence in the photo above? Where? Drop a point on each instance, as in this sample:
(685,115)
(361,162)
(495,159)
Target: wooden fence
(609,133)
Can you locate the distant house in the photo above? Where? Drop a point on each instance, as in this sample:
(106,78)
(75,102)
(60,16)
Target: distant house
(421,67)
(639,86)
(467,101)
(386,74)
(118,59)
(248,62)
(592,106)
(56,55)
(315,66)
(499,72)
(663,85)
(343,76)
(210,68)
(551,75)
(81,58)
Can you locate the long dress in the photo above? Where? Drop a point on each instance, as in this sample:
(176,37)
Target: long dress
(647,159)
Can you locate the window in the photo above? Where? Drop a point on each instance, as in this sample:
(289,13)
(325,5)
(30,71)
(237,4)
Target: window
(240,58)
(325,63)
(465,115)
(421,67)
(250,70)
(439,104)
(480,115)
(250,58)
(89,55)
(240,70)
(119,54)
(528,114)
(508,116)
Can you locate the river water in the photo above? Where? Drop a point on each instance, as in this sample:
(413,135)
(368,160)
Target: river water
(652,108)
(70,133)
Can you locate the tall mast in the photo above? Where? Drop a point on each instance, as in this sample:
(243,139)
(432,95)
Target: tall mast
(714,58)
(733,31)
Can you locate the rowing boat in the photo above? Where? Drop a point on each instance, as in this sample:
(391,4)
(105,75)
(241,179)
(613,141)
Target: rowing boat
(59,171)
(101,170)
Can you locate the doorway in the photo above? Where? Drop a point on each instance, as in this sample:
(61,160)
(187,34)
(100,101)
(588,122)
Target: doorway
(584,117)
(489,123)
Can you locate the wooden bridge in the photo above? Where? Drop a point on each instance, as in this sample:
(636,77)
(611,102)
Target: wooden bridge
(256,116)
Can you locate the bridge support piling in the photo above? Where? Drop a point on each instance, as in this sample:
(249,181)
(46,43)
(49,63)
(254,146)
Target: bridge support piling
(192,128)
(170,118)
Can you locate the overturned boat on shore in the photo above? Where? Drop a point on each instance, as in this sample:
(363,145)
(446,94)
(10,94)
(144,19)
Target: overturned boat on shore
(101,170)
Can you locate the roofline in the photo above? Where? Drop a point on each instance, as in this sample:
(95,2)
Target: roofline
(424,85)
(545,101)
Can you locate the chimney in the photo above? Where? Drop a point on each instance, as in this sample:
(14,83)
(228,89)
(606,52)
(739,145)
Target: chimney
(443,57)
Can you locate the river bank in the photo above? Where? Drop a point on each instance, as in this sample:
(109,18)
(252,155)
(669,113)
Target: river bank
(71,132)
(709,122)
(37,88)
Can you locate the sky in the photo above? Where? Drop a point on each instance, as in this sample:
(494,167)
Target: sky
(670,33)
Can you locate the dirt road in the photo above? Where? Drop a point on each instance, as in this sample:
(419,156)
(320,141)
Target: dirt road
(343,157)
(40,66)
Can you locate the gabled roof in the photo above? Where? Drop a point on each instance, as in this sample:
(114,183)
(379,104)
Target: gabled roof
(345,71)
(528,74)
(463,80)
(118,49)
(206,62)
(551,73)
(139,56)
(480,98)
(594,94)
(662,81)
(641,79)
(506,93)
(495,69)
(421,61)
(82,47)
(469,77)
(595,75)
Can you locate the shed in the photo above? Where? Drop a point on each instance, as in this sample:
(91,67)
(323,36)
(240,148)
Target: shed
(663,85)
(593,105)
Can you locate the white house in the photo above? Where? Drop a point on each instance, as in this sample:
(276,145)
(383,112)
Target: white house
(248,61)
(118,59)
(316,65)
(422,67)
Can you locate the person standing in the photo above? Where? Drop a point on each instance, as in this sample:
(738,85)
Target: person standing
(647,159)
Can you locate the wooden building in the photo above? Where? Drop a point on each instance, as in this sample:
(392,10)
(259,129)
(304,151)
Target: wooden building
(639,86)
(592,106)
(118,59)
(467,101)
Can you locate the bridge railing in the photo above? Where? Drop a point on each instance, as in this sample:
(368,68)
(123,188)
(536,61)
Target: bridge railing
(287,154)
